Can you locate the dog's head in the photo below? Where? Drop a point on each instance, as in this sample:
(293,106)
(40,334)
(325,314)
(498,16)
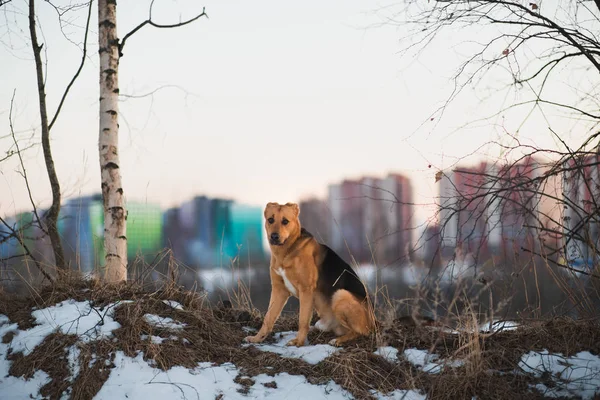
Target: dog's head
(282,222)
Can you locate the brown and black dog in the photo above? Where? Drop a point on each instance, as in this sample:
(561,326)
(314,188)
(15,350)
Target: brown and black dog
(317,276)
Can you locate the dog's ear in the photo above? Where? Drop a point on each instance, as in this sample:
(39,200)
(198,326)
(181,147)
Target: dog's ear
(270,205)
(294,207)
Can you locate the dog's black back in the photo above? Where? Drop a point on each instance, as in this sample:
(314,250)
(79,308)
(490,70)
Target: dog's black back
(336,274)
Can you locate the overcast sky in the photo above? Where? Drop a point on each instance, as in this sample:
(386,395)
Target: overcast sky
(271,101)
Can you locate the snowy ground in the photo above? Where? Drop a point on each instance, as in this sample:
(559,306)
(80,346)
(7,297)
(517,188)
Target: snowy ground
(135,378)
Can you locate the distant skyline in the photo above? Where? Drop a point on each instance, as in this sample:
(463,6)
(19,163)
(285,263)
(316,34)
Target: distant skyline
(268,101)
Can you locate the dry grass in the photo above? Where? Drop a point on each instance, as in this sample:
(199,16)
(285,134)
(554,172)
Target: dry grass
(50,356)
(215,334)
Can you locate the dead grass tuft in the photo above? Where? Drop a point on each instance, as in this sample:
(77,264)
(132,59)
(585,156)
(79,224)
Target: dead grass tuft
(458,384)
(245,382)
(8,337)
(96,362)
(360,372)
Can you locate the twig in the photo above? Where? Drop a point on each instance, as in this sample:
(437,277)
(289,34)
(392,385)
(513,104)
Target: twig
(12,132)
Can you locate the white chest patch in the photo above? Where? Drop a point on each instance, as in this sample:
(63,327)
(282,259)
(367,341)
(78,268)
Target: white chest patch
(279,271)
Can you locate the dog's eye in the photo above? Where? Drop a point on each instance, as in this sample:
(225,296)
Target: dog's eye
(271,220)
(285,221)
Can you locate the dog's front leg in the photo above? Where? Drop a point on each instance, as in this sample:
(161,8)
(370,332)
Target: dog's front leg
(279,296)
(306,298)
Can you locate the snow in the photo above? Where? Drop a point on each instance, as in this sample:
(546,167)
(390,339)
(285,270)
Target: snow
(73,359)
(153,339)
(400,395)
(12,387)
(133,378)
(163,322)
(578,375)
(69,317)
(419,358)
(311,354)
(498,326)
(173,304)
(423,359)
(388,352)
(21,388)
(294,387)
(159,340)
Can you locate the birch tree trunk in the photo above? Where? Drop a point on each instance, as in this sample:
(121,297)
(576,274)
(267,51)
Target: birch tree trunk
(54,210)
(115,214)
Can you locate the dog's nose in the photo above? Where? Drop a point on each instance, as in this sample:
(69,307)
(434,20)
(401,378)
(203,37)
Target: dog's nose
(275,236)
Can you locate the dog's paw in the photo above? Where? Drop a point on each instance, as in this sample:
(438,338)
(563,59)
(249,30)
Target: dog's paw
(295,342)
(322,326)
(253,339)
(335,342)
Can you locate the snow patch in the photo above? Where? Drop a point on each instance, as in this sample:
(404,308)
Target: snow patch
(163,322)
(578,375)
(73,359)
(20,388)
(429,362)
(159,340)
(294,387)
(498,326)
(153,339)
(388,352)
(311,354)
(134,379)
(399,395)
(173,304)
(71,318)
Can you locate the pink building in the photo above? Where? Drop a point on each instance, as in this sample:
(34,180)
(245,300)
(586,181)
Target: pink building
(463,208)
(498,208)
(372,218)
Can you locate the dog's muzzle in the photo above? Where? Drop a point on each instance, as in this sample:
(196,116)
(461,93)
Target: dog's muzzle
(275,240)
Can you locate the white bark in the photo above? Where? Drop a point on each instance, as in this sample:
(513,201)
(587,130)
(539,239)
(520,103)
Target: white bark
(115,213)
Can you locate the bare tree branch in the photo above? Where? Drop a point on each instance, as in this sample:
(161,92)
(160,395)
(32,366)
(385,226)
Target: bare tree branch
(83,58)
(16,143)
(154,24)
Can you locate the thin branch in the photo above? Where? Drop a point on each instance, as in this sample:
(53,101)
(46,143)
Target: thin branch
(12,132)
(154,24)
(83,57)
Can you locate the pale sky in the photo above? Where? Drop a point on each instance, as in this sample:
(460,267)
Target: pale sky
(282,99)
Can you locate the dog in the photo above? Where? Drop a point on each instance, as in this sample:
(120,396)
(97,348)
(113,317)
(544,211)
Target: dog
(302,267)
